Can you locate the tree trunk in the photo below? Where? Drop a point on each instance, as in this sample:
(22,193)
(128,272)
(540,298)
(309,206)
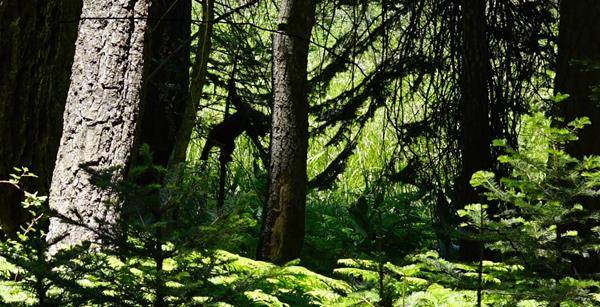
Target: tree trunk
(100,117)
(166,76)
(38,40)
(475,131)
(198,79)
(282,231)
(577,75)
(579,41)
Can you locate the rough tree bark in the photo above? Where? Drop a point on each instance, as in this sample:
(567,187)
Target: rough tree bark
(578,54)
(166,76)
(475,131)
(282,233)
(101,113)
(198,78)
(38,42)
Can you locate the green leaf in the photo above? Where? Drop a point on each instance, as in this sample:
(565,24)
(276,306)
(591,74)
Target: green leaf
(481,178)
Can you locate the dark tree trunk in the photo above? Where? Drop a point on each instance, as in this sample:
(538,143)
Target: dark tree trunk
(578,54)
(198,79)
(579,40)
(101,114)
(475,131)
(166,76)
(282,233)
(38,42)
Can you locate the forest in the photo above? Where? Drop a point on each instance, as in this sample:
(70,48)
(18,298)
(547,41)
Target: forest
(300,153)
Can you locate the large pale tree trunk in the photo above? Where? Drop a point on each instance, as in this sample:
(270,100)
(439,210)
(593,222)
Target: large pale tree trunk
(475,131)
(282,233)
(101,113)
(38,42)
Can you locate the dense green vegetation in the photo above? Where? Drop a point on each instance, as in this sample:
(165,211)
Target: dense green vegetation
(195,269)
(345,153)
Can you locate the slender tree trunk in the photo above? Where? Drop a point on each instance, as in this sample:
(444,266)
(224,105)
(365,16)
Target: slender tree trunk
(100,117)
(166,76)
(198,78)
(475,131)
(282,231)
(578,54)
(38,42)
(579,43)
(223,156)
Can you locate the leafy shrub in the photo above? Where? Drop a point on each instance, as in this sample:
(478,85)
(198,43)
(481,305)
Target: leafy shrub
(546,222)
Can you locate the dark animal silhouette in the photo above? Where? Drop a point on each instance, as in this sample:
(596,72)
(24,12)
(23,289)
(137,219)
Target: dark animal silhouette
(223,135)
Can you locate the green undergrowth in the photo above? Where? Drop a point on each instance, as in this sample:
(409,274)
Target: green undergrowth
(372,246)
(220,278)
